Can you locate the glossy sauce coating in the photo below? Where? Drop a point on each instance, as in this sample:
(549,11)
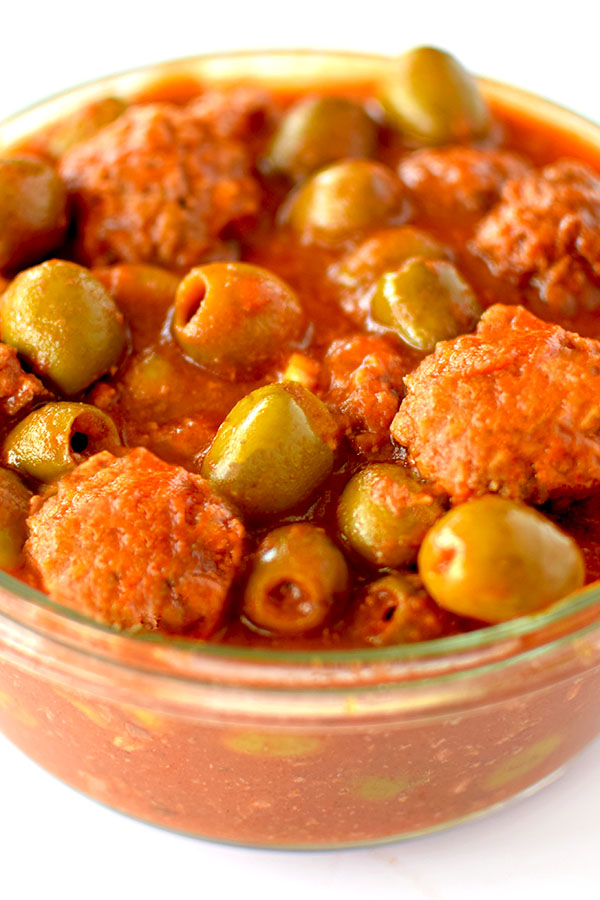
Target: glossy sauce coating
(162,400)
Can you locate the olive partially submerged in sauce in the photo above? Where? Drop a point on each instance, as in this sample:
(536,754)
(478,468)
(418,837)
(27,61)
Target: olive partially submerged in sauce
(494,559)
(431,98)
(425,301)
(53,439)
(317,131)
(234,317)
(33,211)
(64,323)
(384,513)
(344,198)
(273,450)
(297,577)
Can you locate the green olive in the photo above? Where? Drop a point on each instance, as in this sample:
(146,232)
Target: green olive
(64,323)
(233,317)
(432,99)
(150,378)
(384,514)
(343,198)
(385,251)
(494,559)
(33,214)
(396,609)
(425,301)
(14,509)
(53,439)
(273,450)
(317,131)
(297,578)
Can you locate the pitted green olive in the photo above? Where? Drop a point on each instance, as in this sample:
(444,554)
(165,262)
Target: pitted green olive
(384,514)
(297,577)
(494,559)
(317,131)
(386,251)
(396,609)
(344,198)
(233,317)
(432,99)
(425,301)
(53,439)
(64,323)
(273,450)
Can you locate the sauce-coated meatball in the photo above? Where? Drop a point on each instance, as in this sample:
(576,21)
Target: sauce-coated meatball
(546,232)
(511,409)
(159,185)
(136,541)
(458,181)
(364,387)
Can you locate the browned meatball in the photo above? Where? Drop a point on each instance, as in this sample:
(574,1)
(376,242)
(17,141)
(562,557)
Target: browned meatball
(546,231)
(511,409)
(137,542)
(159,185)
(364,380)
(18,389)
(458,181)
(245,113)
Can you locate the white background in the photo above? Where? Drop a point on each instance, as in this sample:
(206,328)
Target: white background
(56,844)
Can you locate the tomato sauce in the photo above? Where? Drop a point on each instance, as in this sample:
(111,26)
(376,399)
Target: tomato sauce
(178,416)
(161,400)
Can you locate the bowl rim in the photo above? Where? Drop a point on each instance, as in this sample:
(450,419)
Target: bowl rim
(568,619)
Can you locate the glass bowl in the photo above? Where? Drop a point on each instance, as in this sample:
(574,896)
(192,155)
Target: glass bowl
(298,749)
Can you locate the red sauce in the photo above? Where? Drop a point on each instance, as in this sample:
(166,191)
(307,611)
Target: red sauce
(176,413)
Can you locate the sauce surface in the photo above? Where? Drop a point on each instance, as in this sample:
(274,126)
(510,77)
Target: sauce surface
(162,400)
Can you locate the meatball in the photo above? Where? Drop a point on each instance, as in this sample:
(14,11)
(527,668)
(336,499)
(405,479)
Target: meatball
(18,389)
(137,542)
(364,384)
(546,232)
(458,181)
(245,113)
(159,185)
(511,409)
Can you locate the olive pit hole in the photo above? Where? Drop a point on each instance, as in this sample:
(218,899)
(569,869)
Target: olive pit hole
(289,598)
(90,434)
(192,301)
(79,442)
(388,614)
